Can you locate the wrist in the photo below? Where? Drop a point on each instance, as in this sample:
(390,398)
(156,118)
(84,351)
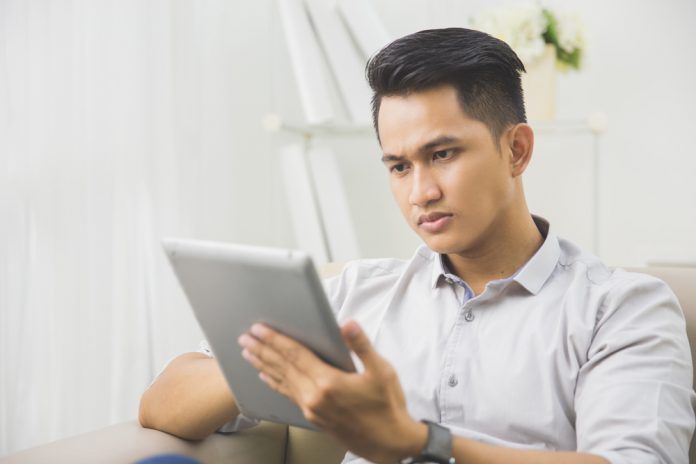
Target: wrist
(438,446)
(412,439)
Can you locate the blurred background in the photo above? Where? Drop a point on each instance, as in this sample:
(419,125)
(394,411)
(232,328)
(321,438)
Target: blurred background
(123,121)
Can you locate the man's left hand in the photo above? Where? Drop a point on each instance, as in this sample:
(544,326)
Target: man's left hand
(364,411)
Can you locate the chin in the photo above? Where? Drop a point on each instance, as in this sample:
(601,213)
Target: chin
(442,244)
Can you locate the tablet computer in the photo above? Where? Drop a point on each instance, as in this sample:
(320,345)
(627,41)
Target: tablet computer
(230,287)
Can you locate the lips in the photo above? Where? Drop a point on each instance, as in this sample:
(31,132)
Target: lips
(434,223)
(432,217)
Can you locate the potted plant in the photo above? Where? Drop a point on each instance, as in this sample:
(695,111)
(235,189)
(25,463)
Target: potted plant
(545,42)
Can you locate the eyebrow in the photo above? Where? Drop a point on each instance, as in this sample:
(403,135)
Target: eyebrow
(436,142)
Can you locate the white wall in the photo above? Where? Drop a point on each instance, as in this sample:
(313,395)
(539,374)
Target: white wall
(120,122)
(641,71)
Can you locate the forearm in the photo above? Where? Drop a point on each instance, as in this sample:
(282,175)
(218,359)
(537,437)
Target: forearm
(190,399)
(469,451)
(473,452)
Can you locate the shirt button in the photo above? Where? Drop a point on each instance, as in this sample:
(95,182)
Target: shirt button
(469,316)
(452,382)
(449,280)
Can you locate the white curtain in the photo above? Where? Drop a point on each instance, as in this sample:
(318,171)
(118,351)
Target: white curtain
(121,122)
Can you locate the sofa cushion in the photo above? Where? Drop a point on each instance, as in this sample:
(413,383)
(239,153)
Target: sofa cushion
(128,442)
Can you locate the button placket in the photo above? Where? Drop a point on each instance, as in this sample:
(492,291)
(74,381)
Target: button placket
(453,382)
(448,398)
(457,355)
(468,309)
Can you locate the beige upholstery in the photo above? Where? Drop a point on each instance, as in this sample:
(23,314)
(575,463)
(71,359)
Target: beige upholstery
(268,443)
(128,442)
(305,446)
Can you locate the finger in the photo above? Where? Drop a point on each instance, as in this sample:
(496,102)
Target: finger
(282,388)
(285,380)
(263,357)
(357,341)
(260,365)
(282,376)
(289,350)
(307,380)
(276,384)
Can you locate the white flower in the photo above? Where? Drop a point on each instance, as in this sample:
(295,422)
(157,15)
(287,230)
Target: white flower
(570,33)
(524,27)
(521,25)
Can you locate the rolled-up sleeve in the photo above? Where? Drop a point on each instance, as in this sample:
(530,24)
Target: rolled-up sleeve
(634,399)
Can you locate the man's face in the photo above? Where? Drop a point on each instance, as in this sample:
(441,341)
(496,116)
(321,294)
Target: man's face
(447,175)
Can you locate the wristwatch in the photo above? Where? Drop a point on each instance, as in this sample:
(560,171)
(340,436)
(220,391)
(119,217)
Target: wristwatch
(438,448)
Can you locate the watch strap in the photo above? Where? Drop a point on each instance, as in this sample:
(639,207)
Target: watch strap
(438,448)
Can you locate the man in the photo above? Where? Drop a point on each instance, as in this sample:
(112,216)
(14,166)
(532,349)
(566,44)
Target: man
(512,345)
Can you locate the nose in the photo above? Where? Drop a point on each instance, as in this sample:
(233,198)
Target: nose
(424,188)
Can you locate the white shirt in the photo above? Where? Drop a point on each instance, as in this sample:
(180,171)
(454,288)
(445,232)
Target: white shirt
(565,355)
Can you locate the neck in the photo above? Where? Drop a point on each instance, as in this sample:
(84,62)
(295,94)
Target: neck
(508,244)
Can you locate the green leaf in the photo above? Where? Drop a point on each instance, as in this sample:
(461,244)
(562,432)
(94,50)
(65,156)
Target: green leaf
(565,60)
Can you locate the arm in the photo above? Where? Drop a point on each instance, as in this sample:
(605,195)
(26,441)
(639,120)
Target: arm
(474,452)
(366,411)
(189,399)
(634,399)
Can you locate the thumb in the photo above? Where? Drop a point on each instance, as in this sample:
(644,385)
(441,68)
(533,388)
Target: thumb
(358,342)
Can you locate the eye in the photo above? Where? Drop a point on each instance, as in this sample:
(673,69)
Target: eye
(398,168)
(443,154)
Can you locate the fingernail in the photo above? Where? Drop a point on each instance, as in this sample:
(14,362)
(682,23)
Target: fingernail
(257,329)
(241,340)
(245,354)
(353,330)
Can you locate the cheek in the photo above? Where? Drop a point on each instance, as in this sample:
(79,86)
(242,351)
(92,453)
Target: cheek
(477,185)
(400,191)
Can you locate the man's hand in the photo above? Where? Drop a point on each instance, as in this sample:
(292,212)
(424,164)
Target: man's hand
(365,411)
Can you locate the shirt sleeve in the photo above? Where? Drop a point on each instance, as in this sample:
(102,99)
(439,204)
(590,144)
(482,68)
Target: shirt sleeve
(634,400)
(239,423)
(337,287)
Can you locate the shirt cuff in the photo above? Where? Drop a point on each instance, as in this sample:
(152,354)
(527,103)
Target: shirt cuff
(239,423)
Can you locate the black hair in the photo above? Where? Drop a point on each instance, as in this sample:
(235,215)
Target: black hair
(484,71)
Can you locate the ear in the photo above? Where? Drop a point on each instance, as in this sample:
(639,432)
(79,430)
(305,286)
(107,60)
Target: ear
(520,141)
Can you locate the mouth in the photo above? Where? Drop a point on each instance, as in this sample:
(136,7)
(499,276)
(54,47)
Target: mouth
(432,217)
(434,222)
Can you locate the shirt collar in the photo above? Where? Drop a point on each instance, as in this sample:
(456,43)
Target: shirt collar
(438,270)
(533,274)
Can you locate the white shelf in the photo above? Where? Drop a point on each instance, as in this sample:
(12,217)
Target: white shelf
(594,124)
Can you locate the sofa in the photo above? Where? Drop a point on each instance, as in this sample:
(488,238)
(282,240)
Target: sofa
(268,443)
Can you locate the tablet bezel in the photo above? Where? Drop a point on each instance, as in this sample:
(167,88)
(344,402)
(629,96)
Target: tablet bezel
(232,286)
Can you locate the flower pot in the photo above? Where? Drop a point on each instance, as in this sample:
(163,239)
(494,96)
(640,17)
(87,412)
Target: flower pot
(539,86)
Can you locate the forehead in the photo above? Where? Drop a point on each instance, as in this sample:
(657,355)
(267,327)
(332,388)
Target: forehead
(407,122)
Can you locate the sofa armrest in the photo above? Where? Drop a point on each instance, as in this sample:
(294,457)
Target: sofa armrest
(128,442)
(306,446)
